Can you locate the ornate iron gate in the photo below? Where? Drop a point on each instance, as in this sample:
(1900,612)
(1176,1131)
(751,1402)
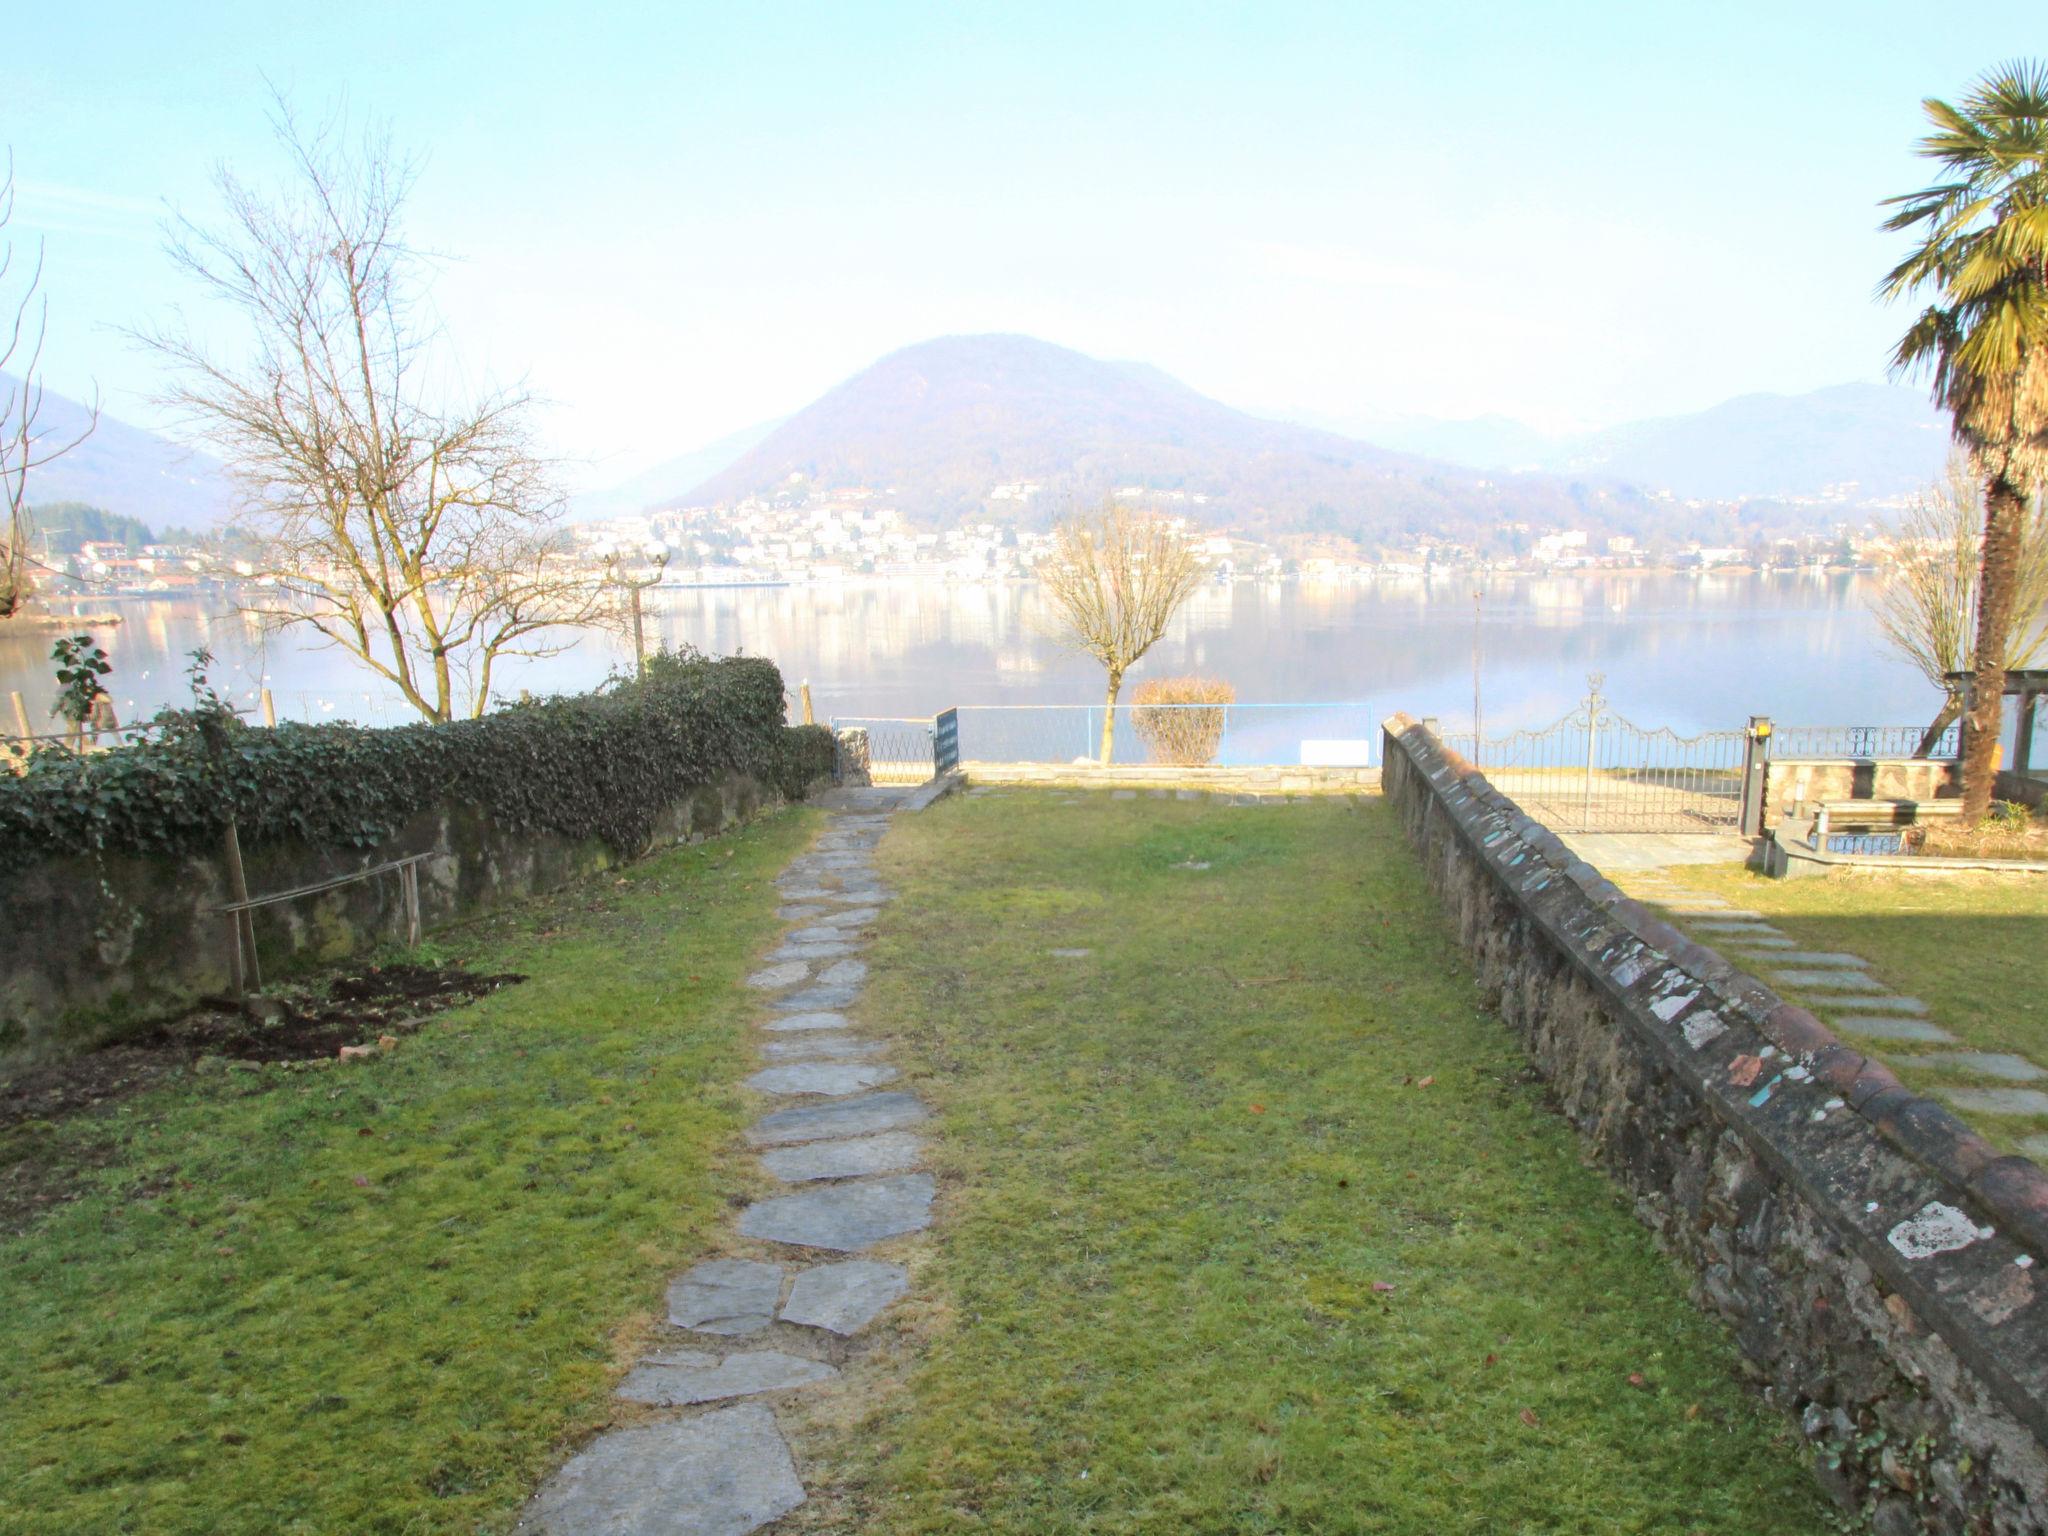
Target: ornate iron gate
(1594,771)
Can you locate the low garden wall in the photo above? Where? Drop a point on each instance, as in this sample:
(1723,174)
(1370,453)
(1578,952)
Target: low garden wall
(112,866)
(1875,1260)
(1796,786)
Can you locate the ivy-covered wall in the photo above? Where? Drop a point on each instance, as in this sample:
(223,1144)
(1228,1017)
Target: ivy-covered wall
(110,865)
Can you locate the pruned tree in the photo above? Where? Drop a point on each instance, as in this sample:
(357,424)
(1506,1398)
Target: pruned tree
(413,525)
(1983,254)
(24,445)
(1927,608)
(1117,578)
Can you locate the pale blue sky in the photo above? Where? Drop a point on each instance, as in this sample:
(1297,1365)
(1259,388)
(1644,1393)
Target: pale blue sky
(675,220)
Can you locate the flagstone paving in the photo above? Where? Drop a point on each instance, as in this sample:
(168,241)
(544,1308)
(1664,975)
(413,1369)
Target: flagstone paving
(1858,1005)
(726,1471)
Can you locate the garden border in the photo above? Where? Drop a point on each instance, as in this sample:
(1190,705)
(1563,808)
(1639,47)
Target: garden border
(1873,1256)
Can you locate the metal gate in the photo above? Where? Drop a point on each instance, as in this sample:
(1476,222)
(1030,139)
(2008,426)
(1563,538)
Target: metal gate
(1594,771)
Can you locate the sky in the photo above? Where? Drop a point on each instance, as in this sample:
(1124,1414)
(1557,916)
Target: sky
(672,221)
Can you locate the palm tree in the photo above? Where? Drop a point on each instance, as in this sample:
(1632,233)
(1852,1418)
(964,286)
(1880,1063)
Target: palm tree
(1983,252)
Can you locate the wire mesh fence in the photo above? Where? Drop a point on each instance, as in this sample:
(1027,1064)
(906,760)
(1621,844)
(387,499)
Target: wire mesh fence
(1861,741)
(1227,735)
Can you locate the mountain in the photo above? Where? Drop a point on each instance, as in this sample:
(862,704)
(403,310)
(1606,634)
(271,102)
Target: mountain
(942,424)
(669,479)
(1858,442)
(124,469)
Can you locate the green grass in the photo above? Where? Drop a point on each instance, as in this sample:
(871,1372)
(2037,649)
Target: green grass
(1969,946)
(385,1296)
(1176,1173)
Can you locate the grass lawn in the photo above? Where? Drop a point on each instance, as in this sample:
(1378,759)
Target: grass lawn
(1974,948)
(1252,1219)
(384,1296)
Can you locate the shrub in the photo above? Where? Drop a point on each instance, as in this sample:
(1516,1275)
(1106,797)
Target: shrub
(1171,719)
(601,764)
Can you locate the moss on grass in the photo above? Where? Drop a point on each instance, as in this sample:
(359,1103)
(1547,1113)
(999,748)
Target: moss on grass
(385,1296)
(1252,1219)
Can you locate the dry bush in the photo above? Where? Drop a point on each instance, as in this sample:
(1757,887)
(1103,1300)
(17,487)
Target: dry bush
(1187,738)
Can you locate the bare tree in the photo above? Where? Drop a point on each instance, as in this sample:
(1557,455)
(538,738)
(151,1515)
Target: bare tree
(412,525)
(1118,577)
(24,445)
(1928,608)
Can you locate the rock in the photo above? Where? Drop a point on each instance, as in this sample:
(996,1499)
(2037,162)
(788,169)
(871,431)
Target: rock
(679,1383)
(725,1296)
(844,1298)
(829,1122)
(846,1216)
(817,1019)
(814,998)
(846,973)
(886,1153)
(822,1048)
(785,974)
(830,1078)
(719,1474)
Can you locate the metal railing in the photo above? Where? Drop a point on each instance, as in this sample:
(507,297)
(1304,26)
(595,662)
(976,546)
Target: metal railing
(899,747)
(1594,771)
(1231,735)
(1860,741)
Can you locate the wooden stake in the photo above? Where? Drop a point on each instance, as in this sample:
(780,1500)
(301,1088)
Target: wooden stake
(804,691)
(269,709)
(21,726)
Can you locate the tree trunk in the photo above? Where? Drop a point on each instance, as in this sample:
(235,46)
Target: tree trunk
(1951,709)
(1116,683)
(2005,510)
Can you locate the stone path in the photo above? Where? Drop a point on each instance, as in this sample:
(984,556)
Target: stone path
(1854,1002)
(791,1317)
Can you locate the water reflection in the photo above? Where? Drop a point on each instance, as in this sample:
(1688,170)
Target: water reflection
(1689,652)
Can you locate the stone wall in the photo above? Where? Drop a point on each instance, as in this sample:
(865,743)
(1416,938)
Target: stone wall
(1874,1259)
(1796,786)
(1243,781)
(97,949)
(2031,790)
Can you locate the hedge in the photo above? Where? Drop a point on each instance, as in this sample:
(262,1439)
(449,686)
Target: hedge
(602,764)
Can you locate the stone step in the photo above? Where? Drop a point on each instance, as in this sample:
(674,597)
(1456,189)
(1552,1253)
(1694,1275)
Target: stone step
(1821,980)
(2000,1064)
(725,1296)
(722,1473)
(829,1079)
(823,1048)
(820,1018)
(1997,1101)
(684,1377)
(1886,1003)
(1894,1027)
(1819,959)
(844,1298)
(888,1152)
(845,1217)
(833,1122)
(815,999)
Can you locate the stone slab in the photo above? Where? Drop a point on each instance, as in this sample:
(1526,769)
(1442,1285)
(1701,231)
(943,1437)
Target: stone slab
(720,1474)
(814,999)
(786,973)
(811,954)
(725,1296)
(802,911)
(823,1047)
(890,1152)
(1890,1002)
(1885,1026)
(826,933)
(849,1216)
(2001,1064)
(1070,954)
(846,917)
(1819,980)
(844,1298)
(820,1018)
(830,1122)
(1760,930)
(677,1382)
(831,1079)
(844,973)
(1822,959)
(1744,943)
(1997,1101)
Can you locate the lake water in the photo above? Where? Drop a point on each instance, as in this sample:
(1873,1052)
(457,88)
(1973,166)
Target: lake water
(1691,652)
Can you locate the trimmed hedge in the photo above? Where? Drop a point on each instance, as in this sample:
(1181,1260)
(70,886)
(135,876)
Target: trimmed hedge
(600,764)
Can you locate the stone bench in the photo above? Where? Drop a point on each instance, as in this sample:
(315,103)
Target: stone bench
(1864,814)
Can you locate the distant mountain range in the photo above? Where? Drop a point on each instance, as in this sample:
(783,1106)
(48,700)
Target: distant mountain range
(666,479)
(1864,442)
(943,423)
(940,425)
(125,469)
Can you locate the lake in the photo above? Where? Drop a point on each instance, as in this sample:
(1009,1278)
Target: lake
(1689,651)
